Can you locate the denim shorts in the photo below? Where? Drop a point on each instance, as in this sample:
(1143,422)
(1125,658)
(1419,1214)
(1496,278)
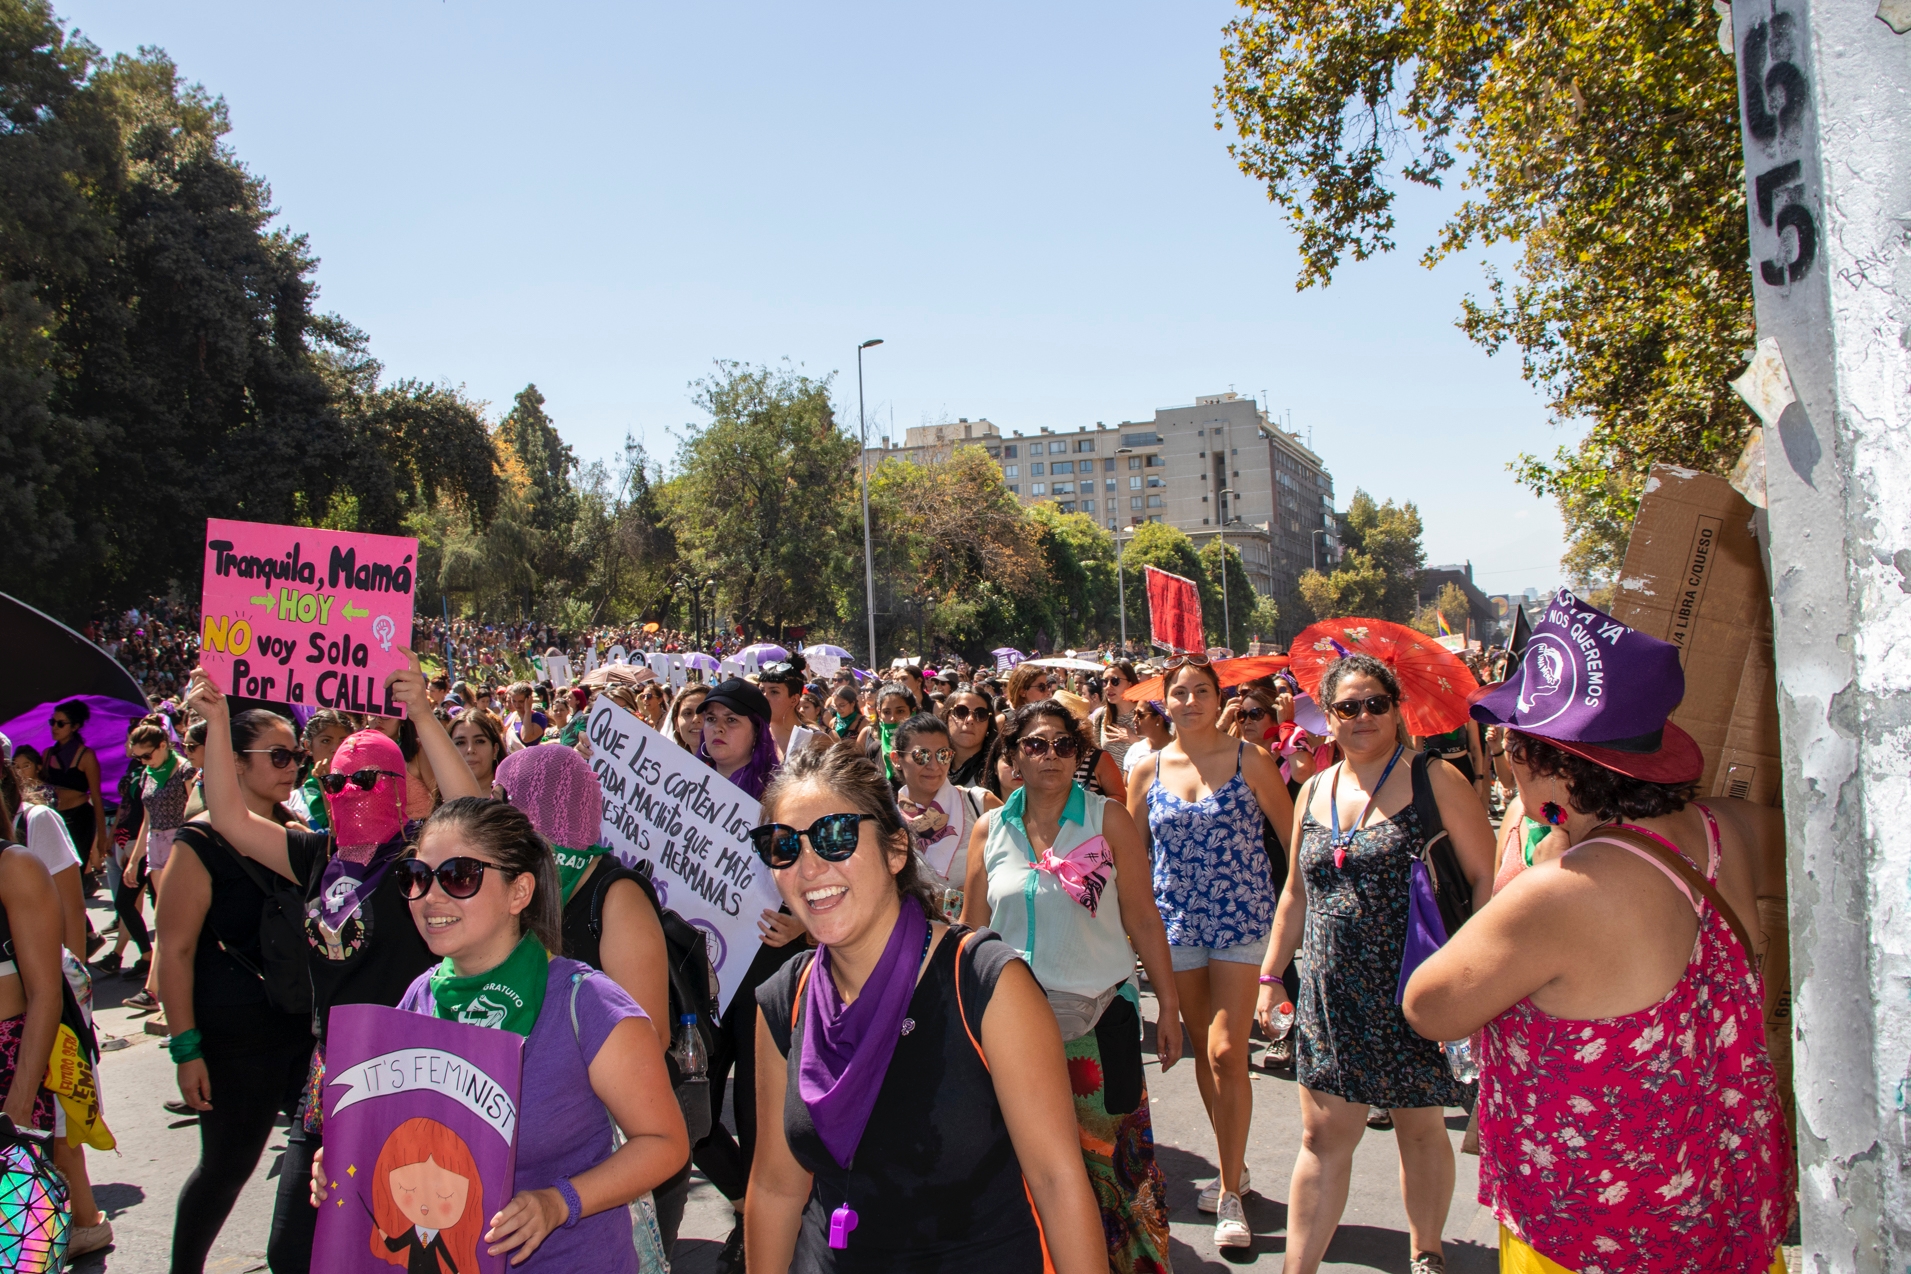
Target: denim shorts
(1186,959)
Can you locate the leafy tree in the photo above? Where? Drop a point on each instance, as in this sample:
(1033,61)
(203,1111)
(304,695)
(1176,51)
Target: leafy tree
(1452,604)
(1229,625)
(1380,561)
(1074,600)
(763,493)
(1264,620)
(160,360)
(943,530)
(624,540)
(1603,137)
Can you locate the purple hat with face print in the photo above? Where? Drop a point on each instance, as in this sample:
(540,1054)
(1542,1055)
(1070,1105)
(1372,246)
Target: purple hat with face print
(1594,687)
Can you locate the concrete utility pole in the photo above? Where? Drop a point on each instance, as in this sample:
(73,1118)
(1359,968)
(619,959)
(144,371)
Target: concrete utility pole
(1825,106)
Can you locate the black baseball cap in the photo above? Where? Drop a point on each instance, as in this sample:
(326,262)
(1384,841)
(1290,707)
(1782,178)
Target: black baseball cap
(739,696)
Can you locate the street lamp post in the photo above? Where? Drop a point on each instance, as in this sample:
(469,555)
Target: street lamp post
(1221,535)
(869,566)
(1121,578)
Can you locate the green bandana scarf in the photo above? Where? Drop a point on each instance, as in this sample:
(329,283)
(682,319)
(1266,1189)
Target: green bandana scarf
(887,733)
(573,863)
(508,997)
(164,773)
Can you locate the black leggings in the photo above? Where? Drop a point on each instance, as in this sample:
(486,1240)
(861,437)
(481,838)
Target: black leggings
(723,1158)
(257,1073)
(126,905)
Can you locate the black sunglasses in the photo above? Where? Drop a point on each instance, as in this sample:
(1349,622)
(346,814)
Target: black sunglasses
(145,758)
(963,712)
(1376,706)
(280,757)
(459,877)
(61,722)
(833,837)
(1034,745)
(1253,714)
(365,780)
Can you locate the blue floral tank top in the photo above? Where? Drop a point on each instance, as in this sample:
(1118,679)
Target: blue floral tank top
(1211,879)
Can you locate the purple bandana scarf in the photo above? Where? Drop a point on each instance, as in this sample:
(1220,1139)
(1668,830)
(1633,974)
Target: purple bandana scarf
(347,883)
(846,1050)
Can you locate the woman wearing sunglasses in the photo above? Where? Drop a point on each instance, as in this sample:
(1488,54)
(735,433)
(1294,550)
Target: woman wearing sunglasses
(72,770)
(362,946)
(240,1061)
(1114,722)
(1201,802)
(483,890)
(913,1078)
(1061,875)
(165,787)
(1354,838)
(971,721)
(939,811)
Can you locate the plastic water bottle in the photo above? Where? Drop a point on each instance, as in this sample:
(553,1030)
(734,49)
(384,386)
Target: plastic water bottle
(686,1049)
(1462,1060)
(1282,1018)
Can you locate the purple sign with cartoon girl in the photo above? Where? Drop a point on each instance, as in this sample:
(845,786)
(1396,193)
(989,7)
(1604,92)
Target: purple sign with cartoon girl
(420,1142)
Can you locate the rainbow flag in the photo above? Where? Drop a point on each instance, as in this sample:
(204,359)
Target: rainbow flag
(1446,629)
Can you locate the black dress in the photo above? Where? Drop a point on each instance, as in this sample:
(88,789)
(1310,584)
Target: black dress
(1352,1039)
(935,1182)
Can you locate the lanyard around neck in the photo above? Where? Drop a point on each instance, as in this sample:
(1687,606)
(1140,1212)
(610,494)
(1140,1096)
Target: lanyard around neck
(1341,842)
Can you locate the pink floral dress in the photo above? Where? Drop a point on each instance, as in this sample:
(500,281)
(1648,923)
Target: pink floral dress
(1651,1141)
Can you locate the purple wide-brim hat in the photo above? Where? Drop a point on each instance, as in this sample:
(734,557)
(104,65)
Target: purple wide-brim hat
(1591,686)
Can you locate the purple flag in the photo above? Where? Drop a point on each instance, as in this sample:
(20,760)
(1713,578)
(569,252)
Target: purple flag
(420,1141)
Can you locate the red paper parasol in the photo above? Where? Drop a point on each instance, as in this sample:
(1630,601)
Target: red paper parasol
(1434,683)
(1232,672)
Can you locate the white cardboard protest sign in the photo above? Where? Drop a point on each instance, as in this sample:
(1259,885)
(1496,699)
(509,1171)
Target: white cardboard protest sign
(692,824)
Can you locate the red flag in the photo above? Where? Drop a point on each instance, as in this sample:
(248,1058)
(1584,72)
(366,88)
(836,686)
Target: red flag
(1174,607)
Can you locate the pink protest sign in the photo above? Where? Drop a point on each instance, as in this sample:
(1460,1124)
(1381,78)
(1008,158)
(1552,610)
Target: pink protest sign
(294,614)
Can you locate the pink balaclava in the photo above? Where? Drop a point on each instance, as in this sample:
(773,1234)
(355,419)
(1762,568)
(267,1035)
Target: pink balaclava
(557,791)
(361,820)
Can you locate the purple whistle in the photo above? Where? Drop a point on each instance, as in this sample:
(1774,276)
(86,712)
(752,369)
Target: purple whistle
(841,1222)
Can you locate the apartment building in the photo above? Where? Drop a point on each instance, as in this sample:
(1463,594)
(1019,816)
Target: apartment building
(1217,466)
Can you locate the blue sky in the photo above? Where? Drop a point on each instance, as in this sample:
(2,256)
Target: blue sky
(1029,203)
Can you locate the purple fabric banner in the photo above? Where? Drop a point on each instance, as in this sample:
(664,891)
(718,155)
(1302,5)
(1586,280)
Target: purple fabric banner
(420,1141)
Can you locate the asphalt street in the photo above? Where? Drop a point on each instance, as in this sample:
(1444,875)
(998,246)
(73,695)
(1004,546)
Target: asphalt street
(138,1185)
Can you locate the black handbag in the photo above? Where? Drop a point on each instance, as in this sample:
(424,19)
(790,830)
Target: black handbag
(1452,892)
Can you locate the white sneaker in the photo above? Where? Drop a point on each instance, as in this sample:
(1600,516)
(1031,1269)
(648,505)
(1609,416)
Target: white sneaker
(88,1238)
(1210,1197)
(1230,1223)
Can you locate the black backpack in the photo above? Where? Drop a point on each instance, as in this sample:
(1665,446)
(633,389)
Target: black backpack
(1451,890)
(693,982)
(286,958)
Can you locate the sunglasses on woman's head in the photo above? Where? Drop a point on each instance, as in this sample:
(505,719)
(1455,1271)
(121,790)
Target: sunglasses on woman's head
(460,877)
(1035,745)
(365,780)
(922,756)
(1375,705)
(1191,659)
(280,757)
(833,837)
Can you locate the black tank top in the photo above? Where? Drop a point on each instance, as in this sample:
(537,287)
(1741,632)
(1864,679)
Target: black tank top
(935,1182)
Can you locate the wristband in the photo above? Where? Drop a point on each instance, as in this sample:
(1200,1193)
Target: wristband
(574,1206)
(1268,981)
(184,1047)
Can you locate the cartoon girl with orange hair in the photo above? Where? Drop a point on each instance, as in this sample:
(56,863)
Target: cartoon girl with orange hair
(424,1217)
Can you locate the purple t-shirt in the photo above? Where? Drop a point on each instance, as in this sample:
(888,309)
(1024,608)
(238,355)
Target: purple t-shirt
(563,1129)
